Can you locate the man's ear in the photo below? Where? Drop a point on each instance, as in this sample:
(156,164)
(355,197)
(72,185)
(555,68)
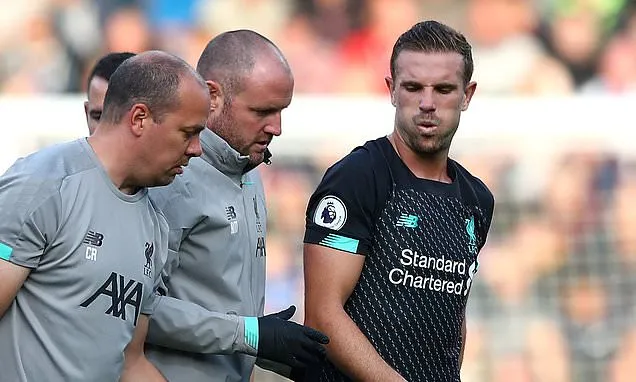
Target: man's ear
(138,113)
(217,95)
(469,91)
(390,84)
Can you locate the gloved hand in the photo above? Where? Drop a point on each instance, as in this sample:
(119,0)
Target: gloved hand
(287,342)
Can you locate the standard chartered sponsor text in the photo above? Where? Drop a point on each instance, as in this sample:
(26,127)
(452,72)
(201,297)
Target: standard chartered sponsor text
(410,258)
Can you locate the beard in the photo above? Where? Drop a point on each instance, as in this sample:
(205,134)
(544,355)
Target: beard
(426,145)
(226,127)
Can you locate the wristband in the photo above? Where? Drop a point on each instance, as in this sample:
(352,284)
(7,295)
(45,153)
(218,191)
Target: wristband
(251,331)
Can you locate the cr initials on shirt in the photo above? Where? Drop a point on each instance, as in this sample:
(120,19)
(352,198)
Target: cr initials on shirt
(91,253)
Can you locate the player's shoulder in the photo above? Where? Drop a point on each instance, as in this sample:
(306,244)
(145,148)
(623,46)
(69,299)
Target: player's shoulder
(473,187)
(55,161)
(43,171)
(35,182)
(364,160)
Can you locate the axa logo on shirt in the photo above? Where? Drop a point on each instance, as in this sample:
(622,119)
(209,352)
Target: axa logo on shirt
(331,213)
(122,293)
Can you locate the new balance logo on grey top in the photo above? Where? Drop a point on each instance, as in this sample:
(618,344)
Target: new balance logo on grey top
(93,238)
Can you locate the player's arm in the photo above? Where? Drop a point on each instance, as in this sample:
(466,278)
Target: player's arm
(187,326)
(330,276)
(29,218)
(178,324)
(340,219)
(184,325)
(12,277)
(137,368)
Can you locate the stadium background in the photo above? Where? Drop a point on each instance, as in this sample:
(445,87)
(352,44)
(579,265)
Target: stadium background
(550,131)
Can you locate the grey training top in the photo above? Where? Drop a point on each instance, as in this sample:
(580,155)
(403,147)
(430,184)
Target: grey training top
(215,273)
(91,250)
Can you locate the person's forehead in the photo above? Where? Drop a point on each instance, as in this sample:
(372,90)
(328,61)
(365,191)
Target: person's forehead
(267,86)
(191,88)
(97,90)
(194,100)
(442,65)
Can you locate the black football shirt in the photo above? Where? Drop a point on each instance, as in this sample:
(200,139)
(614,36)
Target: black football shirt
(420,239)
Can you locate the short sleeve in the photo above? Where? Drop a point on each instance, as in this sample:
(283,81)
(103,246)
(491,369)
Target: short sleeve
(487,204)
(151,299)
(30,211)
(341,212)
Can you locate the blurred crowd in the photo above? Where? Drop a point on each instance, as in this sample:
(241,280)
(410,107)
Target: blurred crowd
(526,47)
(554,299)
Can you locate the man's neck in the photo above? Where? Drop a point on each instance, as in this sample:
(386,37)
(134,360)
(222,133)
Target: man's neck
(113,156)
(431,167)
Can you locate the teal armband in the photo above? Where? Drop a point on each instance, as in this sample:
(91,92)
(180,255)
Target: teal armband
(251,332)
(5,251)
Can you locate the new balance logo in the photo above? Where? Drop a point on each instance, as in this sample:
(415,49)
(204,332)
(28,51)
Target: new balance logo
(93,238)
(150,248)
(122,293)
(230,213)
(408,221)
(231,217)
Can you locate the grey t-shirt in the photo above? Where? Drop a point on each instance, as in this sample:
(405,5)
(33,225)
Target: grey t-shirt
(94,254)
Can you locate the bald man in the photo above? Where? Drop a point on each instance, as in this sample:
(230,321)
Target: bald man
(81,243)
(218,221)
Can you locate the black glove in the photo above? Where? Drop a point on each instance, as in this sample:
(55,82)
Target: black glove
(289,343)
(297,374)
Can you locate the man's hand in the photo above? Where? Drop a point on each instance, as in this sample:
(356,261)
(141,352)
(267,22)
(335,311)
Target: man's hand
(287,342)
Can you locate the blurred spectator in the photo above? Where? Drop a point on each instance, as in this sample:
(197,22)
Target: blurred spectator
(617,67)
(127,30)
(591,336)
(520,339)
(575,38)
(575,30)
(302,37)
(509,58)
(266,17)
(363,56)
(35,61)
